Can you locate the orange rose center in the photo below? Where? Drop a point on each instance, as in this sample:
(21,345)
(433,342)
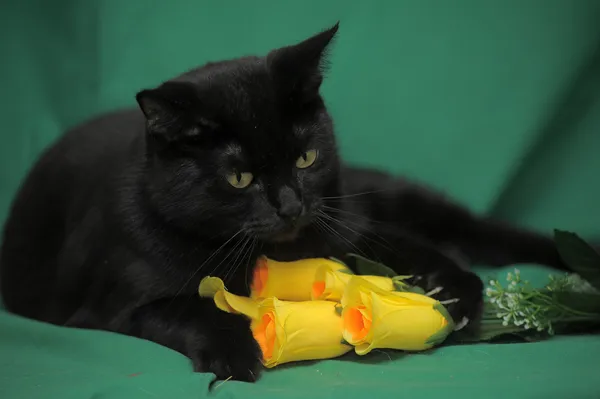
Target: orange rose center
(357,321)
(264,334)
(318,289)
(260,276)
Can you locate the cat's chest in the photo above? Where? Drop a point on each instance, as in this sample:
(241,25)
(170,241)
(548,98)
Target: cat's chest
(308,246)
(234,263)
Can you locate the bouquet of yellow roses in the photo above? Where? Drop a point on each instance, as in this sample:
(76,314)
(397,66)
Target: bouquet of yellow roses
(317,308)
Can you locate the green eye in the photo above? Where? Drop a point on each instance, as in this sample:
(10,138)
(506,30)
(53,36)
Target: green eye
(240,179)
(307,159)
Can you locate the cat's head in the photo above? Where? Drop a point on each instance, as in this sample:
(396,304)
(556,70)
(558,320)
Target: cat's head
(243,145)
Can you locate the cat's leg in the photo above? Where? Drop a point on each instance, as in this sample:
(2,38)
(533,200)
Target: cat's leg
(448,225)
(439,275)
(215,341)
(31,241)
(415,231)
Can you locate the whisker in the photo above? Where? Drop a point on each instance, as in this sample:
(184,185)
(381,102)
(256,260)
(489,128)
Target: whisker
(247,260)
(231,251)
(345,221)
(359,235)
(406,224)
(383,243)
(317,225)
(249,265)
(245,252)
(366,201)
(320,225)
(353,214)
(232,266)
(359,194)
(338,234)
(205,262)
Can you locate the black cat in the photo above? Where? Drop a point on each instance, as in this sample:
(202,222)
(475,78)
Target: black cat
(117,223)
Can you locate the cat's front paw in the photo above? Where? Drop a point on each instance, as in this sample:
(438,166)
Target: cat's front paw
(232,353)
(460,291)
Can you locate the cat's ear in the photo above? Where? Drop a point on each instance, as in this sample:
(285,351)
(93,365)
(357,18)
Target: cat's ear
(298,69)
(172,112)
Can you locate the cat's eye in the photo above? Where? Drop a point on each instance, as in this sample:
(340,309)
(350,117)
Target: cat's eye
(240,179)
(307,159)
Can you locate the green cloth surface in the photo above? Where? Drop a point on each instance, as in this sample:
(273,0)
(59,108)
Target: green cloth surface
(52,362)
(495,103)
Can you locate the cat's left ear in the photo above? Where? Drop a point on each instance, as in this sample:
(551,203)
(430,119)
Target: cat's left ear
(298,70)
(172,112)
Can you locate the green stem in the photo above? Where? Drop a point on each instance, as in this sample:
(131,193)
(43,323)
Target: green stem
(495,320)
(552,302)
(548,301)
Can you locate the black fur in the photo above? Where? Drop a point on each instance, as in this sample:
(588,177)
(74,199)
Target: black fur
(117,223)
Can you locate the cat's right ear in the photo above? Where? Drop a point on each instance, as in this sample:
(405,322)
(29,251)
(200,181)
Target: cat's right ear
(171,112)
(298,69)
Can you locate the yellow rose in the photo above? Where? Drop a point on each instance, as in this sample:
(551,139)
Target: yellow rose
(329,283)
(295,331)
(213,287)
(289,281)
(375,318)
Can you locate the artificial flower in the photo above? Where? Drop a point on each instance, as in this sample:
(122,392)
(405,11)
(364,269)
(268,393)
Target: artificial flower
(376,318)
(213,287)
(329,283)
(294,331)
(290,281)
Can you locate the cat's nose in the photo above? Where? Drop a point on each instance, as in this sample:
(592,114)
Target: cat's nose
(290,206)
(290,210)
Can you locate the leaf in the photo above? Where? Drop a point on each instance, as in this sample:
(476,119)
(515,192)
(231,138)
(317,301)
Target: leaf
(337,261)
(590,326)
(437,338)
(489,330)
(338,309)
(345,271)
(401,286)
(444,312)
(440,336)
(579,256)
(579,301)
(368,267)
(402,278)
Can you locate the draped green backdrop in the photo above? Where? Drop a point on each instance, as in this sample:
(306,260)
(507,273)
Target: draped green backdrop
(497,103)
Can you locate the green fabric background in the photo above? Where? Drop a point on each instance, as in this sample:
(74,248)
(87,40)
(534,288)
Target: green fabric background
(495,102)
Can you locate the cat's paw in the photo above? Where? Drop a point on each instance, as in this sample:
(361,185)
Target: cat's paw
(460,291)
(231,354)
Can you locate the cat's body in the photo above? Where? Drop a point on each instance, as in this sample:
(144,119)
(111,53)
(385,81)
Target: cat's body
(118,222)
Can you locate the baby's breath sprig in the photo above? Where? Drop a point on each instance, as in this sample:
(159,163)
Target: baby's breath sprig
(520,305)
(568,303)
